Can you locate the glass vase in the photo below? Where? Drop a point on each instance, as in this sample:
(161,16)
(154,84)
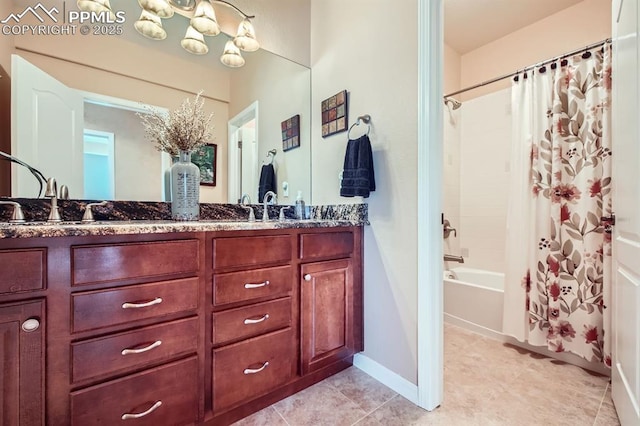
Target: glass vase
(167,179)
(185,188)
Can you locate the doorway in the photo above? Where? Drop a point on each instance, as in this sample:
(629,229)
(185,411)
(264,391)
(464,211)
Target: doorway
(243,154)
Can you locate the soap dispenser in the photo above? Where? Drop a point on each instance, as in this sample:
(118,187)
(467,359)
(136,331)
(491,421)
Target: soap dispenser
(300,210)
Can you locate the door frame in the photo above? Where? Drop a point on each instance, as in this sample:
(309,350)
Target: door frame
(430,134)
(234,164)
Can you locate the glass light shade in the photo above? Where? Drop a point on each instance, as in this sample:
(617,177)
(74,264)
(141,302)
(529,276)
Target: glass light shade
(150,26)
(246,38)
(193,42)
(96,6)
(161,8)
(231,56)
(204,19)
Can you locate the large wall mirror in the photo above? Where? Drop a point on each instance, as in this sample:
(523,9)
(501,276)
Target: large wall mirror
(114,76)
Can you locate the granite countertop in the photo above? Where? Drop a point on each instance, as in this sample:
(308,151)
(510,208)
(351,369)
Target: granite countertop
(68,229)
(128,217)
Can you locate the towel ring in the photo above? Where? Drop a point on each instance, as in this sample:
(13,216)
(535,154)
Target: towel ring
(366,119)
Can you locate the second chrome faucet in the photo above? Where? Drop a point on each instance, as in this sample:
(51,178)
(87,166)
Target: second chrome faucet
(269,196)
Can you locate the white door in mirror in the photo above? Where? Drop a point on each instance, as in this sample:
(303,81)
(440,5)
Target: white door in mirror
(48,123)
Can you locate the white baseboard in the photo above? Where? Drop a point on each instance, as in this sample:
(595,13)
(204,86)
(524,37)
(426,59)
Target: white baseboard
(387,377)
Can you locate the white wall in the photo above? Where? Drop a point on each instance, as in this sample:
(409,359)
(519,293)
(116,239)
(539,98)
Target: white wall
(352,47)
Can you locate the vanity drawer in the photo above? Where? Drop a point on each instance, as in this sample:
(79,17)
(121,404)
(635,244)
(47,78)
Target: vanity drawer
(326,244)
(105,263)
(248,369)
(22,270)
(240,323)
(172,389)
(103,308)
(126,351)
(248,285)
(251,251)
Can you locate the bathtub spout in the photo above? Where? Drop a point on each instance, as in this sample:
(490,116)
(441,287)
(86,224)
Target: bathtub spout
(452,258)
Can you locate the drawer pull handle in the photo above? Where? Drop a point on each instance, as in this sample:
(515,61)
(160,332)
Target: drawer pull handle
(307,277)
(153,408)
(256,370)
(263,284)
(32,324)
(255,321)
(142,350)
(142,305)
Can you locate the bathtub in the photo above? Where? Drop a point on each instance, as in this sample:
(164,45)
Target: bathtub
(473,299)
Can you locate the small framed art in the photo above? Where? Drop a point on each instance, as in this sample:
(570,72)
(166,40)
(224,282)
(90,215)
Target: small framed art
(290,133)
(205,158)
(334,114)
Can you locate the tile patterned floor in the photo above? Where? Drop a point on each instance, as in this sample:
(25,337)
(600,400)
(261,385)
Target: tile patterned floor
(486,383)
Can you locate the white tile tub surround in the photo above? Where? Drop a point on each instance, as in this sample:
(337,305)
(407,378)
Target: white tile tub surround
(451,178)
(485,139)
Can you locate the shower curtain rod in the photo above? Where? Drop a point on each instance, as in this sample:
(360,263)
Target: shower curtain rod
(502,77)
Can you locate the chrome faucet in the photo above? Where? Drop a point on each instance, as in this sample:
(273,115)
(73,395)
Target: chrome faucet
(447,229)
(17,216)
(452,258)
(244,203)
(52,192)
(88,213)
(270,195)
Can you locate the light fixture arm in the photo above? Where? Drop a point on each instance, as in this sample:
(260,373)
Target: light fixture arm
(234,7)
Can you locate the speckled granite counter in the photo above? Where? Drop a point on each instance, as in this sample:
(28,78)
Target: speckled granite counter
(125,217)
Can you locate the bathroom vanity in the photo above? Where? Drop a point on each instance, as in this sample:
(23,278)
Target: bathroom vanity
(166,323)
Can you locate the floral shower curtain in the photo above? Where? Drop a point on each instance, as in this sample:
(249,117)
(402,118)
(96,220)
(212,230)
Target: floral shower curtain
(558,250)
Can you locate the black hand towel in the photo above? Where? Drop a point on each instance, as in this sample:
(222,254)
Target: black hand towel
(267,181)
(358,177)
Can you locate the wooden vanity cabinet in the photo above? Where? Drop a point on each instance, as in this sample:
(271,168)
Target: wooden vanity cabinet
(22,352)
(331,298)
(177,328)
(253,344)
(23,279)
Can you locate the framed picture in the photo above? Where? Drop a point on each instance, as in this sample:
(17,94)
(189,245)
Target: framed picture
(290,133)
(334,114)
(205,158)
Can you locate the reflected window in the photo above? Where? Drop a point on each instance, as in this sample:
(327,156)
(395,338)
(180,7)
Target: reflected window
(99,173)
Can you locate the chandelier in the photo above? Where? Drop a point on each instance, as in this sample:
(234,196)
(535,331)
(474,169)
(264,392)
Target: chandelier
(202,22)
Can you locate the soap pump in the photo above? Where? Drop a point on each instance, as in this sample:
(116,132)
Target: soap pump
(300,210)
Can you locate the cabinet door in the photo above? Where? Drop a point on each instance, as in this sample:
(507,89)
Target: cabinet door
(22,353)
(326,313)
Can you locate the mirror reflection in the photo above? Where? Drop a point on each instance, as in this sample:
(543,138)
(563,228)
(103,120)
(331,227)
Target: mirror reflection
(115,76)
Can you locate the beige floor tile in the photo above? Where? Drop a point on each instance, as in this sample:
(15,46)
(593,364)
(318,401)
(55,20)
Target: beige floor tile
(266,417)
(487,383)
(318,405)
(361,388)
(397,412)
